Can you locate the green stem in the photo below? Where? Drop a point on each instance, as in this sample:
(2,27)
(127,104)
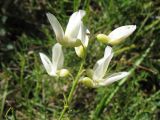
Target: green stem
(75,82)
(3,100)
(74,85)
(63,112)
(106,99)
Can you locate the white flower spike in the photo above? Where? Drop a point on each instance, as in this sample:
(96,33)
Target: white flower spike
(54,67)
(118,35)
(97,75)
(70,37)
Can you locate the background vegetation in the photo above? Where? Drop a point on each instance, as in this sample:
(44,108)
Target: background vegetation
(28,93)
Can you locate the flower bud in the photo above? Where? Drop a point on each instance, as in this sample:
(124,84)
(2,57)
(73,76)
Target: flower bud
(103,38)
(80,51)
(89,73)
(118,35)
(87,82)
(63,73)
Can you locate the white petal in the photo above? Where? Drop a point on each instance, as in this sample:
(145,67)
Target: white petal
(101,65)
(87,38)
(50,68)
(108,51)
(121,33)
(114,77)
(74,24)
(56,27)
(57,55)
(82,33)
(98,69)
(83,36)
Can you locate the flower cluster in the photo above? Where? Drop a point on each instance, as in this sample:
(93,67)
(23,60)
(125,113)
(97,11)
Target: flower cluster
(77,35)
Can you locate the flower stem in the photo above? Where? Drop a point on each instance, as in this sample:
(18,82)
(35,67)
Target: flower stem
(75,82)
(74,85)
(63,111)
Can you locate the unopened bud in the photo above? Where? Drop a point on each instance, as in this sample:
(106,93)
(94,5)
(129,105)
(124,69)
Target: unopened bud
(80,51)
(87,82)
(89,73)
(103,38)
(118,35)
(63,73)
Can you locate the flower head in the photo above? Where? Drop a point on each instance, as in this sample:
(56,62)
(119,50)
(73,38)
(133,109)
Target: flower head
(118,35)
(97,77)
(71,37)
(54,67)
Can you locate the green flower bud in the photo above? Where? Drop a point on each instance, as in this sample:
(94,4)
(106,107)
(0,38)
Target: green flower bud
(63,73)
(89,73)
(80,51)
(87,82)
(103,38)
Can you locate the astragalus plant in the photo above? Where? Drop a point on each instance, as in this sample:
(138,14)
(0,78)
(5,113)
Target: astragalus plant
(77,36)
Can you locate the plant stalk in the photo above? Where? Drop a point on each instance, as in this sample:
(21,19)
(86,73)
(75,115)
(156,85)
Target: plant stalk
(74,85)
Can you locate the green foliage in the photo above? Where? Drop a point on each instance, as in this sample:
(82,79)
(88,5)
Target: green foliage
(27,92)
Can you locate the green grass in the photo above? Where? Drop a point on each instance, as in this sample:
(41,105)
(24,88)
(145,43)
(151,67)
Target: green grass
(27,92)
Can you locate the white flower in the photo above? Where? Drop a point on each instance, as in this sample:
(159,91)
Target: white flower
(118,35)
(73,30)
(97,78)
(84,37)
(54,67)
